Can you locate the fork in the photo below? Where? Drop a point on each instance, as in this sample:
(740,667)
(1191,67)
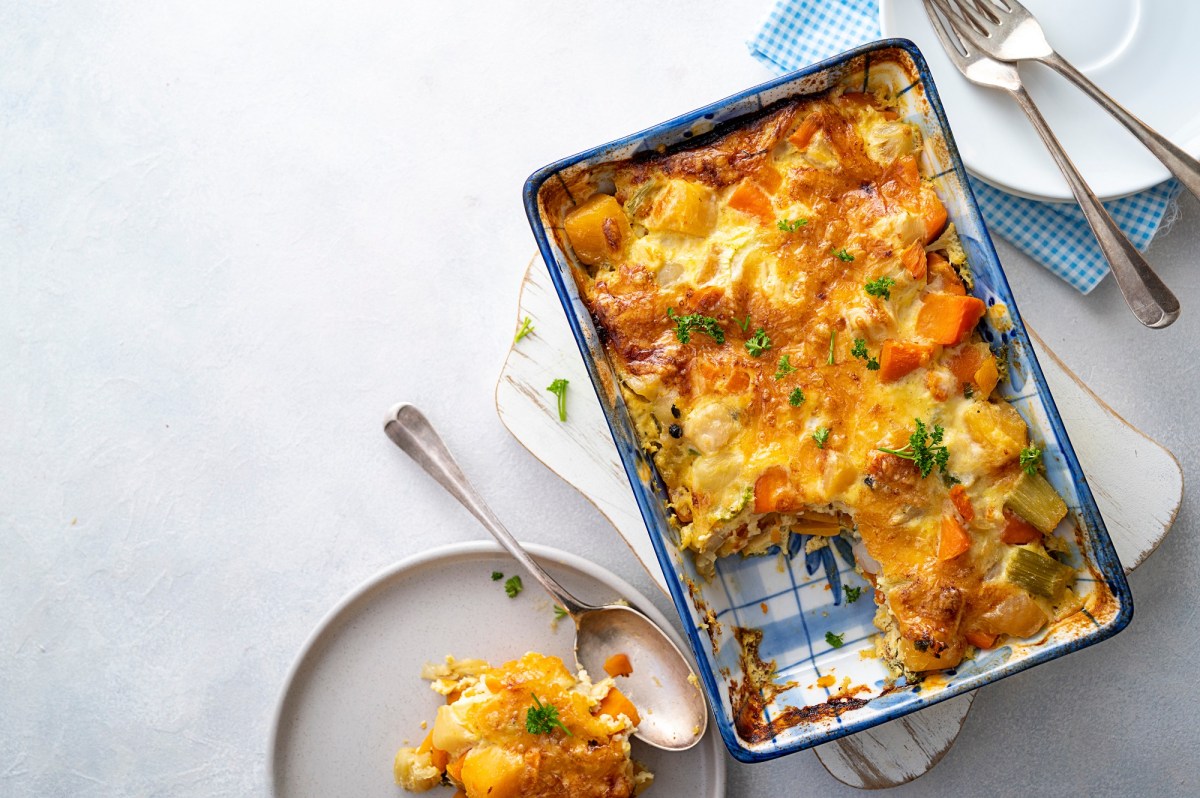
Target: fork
(1148,297)
(1004,29)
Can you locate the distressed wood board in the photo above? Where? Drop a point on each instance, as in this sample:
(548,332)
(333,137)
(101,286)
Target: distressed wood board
(1138,504)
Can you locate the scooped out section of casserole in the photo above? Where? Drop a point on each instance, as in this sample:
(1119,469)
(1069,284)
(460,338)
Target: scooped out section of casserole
(526,729)
(791,322)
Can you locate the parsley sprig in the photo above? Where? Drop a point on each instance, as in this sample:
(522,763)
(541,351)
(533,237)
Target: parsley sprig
(832,342)
(924,448)
(820,436)
(525,329)
(698,322)
(513,586)
(758,343)
(859,350)
(836,641)
(1031,457)
(797,398)
(852,593)
(559,389)
(880,287)
(785,367)
(842,255)
(543,718)
(791,225)
(745,325)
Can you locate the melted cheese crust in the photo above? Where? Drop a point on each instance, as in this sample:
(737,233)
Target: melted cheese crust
(734,442)
(486,751)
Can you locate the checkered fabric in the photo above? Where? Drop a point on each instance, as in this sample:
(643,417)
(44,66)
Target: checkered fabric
(800,32)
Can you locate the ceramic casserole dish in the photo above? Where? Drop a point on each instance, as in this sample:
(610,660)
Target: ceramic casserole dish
(785,655)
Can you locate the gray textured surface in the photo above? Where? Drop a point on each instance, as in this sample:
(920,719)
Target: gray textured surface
(231,235)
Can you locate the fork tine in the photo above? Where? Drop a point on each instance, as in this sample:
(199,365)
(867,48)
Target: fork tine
(966,30)
(988,9)
(953,44)
(967,15)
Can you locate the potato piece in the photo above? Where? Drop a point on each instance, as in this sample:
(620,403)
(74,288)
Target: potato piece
(684,207)
(493,772)
(999,430)
(414,770)
(598,230)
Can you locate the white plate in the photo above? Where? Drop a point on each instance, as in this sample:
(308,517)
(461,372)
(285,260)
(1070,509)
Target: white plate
(1140,51)
(355,694)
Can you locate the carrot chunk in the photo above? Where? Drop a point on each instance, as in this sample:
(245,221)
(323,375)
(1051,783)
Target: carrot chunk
(964,365)
(618,665)
(749,198)
(915,261)
(947,318)
(804,134)
(615,703)
(934,216)
(773,492)
(1017,531)
(898,358)
(981,639)
(943,277)
(962,503)
(954,540)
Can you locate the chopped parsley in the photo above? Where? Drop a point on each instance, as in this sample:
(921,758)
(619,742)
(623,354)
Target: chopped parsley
(797,398)
(820,436)
(560,612)
(880,287)
(525,329)
(497,576)
(924,448)
(758,344)
(837,641)
(842,255)
(559,389)
(698,322)
(968,391)
(785,368)
(513,586)
(543,718)
(832,341)
(1031,456)
(745,325)
(792,225)
(852,593)
(859,350)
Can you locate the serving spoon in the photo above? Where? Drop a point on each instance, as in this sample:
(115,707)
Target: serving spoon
(674,713)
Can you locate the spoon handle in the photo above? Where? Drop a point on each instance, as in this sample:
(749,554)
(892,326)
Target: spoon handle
(411,431)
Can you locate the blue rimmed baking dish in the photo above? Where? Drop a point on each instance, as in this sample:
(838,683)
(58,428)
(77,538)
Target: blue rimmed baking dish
(796,605)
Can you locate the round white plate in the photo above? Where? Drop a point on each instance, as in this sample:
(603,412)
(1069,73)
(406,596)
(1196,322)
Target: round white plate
(1139,51)
(355,694)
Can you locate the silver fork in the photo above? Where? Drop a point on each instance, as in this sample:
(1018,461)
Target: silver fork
(1148,297)
(1005,29)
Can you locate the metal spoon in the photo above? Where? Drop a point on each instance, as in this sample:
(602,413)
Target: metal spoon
(673,711)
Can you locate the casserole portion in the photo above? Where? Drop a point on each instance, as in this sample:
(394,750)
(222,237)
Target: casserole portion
(791,323)
(526,729)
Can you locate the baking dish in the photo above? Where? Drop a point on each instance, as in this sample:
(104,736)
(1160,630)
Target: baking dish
(794,606)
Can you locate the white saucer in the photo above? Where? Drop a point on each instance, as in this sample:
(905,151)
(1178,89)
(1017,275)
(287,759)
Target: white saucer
(1140,51)
(354,695)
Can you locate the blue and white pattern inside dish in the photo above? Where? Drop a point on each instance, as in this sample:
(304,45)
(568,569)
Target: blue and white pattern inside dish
(798,599)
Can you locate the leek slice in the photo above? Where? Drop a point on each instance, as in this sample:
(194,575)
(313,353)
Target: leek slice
(1036,573)
(1035,500)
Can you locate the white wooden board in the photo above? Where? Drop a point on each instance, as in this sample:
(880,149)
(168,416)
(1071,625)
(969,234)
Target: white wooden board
(1138,504)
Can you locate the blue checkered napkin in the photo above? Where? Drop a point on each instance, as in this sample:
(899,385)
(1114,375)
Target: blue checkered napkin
(800,32)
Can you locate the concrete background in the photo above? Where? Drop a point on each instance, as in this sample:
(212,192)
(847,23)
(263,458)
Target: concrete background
(232,234)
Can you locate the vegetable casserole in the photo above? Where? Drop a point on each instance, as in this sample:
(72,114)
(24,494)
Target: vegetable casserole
(793,331)
(527,729)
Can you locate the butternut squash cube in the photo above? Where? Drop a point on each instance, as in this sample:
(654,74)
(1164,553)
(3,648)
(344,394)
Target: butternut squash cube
(598,230)
(493,772)
(684,207)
